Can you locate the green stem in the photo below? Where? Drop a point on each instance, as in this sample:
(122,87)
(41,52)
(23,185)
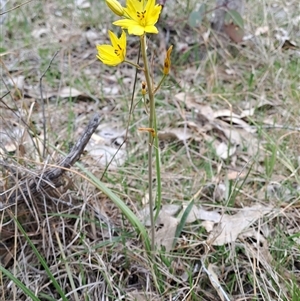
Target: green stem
(161,81)
(151,126)
(134,65)
(158,178)
(157,156)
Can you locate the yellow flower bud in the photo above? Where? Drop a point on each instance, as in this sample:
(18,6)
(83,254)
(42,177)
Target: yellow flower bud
(167,63)
(144,91)
(116,7)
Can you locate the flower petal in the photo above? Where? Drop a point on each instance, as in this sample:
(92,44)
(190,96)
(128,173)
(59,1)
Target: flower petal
(153,16)
(141,16)
(114,39)
(105,49)
(123,43)
(136,30)
(149,5)
(125,23)
(107,56)
(151,29)
(132,6)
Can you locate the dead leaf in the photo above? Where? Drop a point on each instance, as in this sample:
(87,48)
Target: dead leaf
(40,32)
(225,151)
(259,248)
(111,90)
(104,144)
(232,134)
(165,235)
(219,192)
(234,32)
(206,111)
(225,113)
(169,209)
(110,133)
(198,213)
(240,123)
(103,155)
(141,296)
(237,137)
(282,36)
(231,226)
(17,81)
(236,175)
(82,4)
(67,92)
(250,108)
(12,135)
(181,134)
(208,225)
(289,44)
(230,71)
(91,36)
(213,277)
(192,103)
(261,30)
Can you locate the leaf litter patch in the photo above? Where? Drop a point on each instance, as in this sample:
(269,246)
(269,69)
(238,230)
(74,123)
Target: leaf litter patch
(230,132)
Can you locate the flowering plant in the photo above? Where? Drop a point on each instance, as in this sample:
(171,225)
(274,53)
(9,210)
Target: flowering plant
(139,18)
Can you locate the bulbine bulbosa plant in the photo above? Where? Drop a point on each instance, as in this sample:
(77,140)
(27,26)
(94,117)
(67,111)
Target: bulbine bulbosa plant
(139,18)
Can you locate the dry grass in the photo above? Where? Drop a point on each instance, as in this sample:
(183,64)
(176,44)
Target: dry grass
(75,233)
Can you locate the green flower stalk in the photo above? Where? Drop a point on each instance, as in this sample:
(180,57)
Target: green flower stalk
(139,18)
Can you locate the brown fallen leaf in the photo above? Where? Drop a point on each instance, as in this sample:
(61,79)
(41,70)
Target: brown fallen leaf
(141,296)
(165,235)
(67,92)
(181,134)
(213,277)
(234,32)
(194,103)
(225,150)
(198,213)
(231,226)
(104,145)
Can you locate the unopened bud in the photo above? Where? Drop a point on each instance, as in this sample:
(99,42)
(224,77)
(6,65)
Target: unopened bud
(116,7)
(144,91)
(167,63)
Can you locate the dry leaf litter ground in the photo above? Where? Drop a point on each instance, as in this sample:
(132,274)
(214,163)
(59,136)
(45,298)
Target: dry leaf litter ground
(229,136)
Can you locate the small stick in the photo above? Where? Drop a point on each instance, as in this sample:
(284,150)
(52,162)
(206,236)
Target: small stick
(15,7)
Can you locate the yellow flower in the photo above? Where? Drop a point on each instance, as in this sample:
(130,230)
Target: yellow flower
(116,7)
(114,54)
(167,63)
(140,18)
